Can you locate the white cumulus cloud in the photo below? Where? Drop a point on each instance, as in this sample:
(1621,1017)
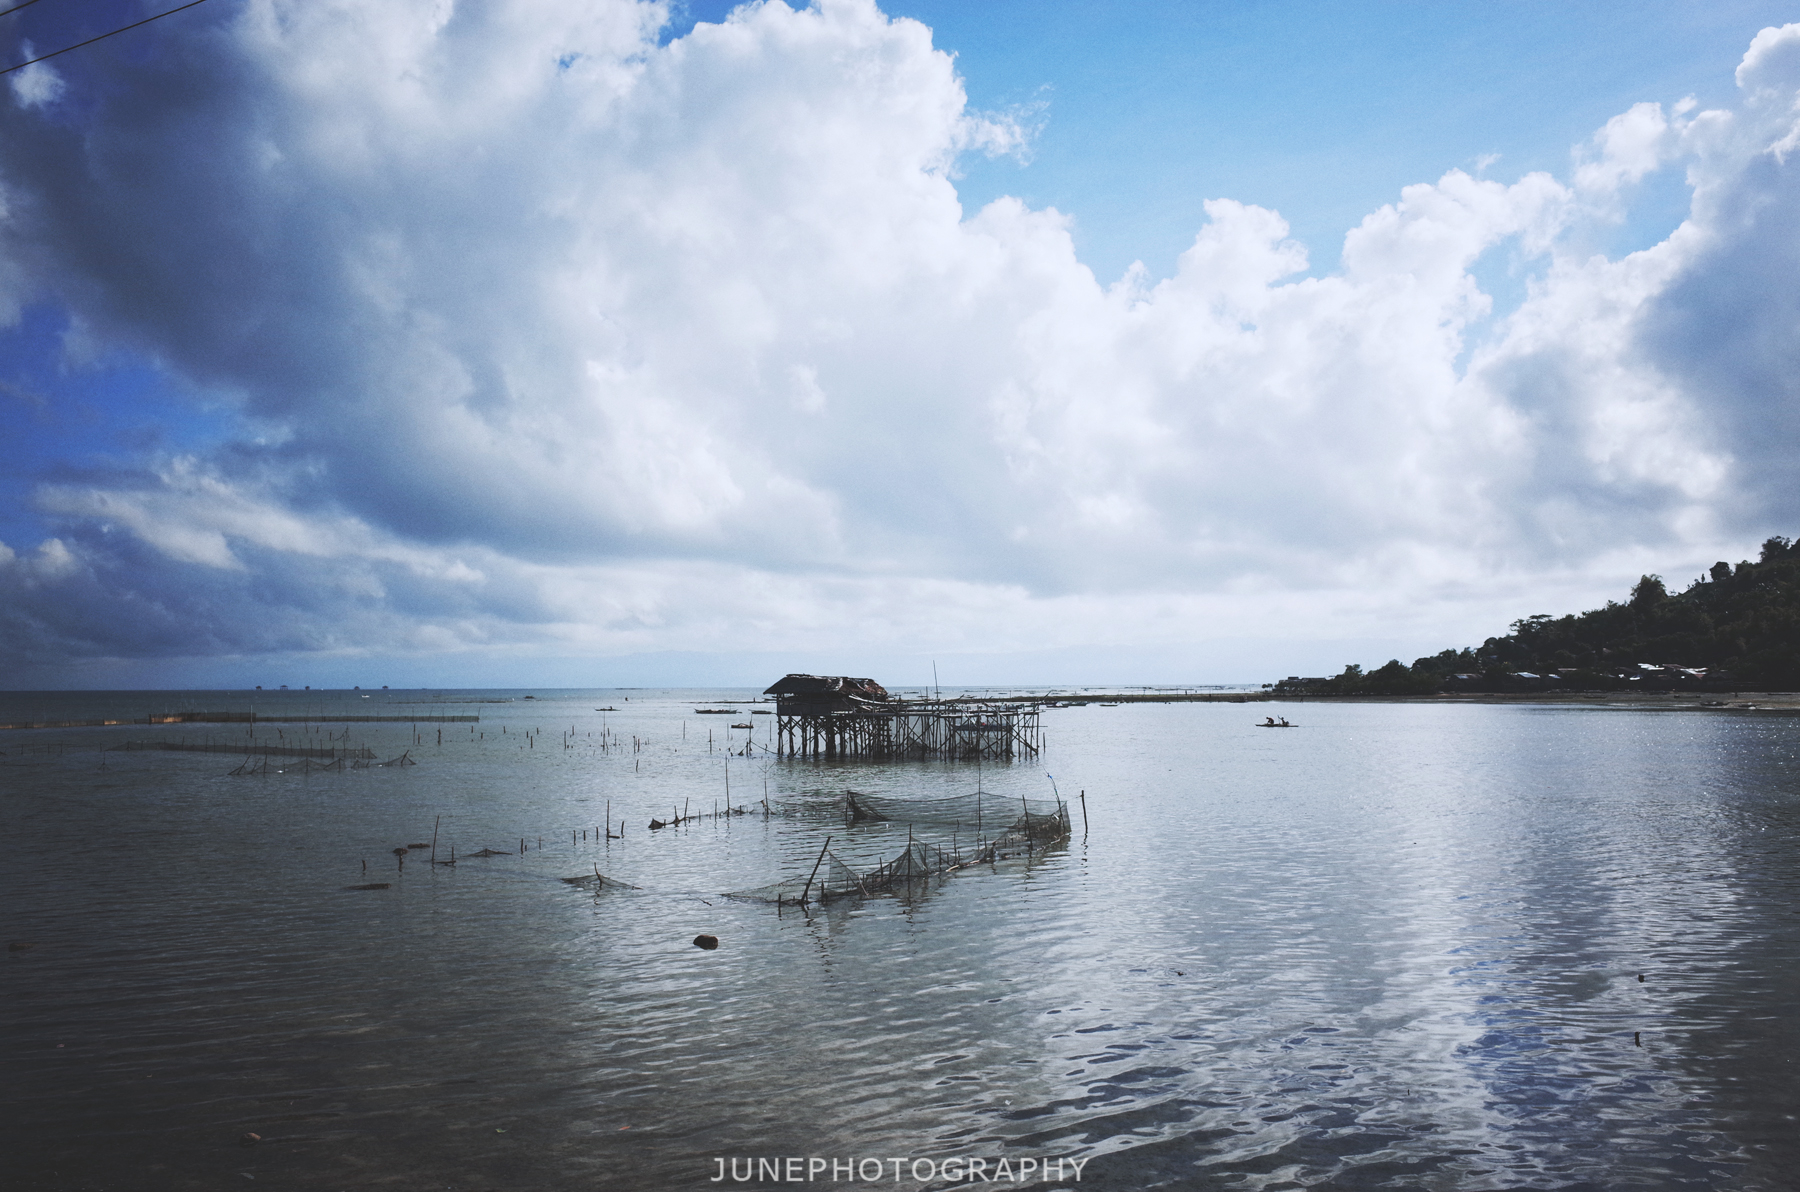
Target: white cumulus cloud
(556,334)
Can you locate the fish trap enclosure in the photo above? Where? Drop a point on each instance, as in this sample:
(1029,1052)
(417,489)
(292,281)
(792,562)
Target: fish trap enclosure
(1021,827)
(981,813)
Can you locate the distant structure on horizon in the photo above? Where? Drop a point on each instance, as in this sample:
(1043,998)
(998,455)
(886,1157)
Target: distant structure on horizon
(842,717)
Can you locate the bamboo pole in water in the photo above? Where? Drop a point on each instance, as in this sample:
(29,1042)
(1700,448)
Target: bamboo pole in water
(815,871)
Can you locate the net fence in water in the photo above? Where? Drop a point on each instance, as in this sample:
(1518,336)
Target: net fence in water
(263,765)
(598,881)
(977,810)
(981,813)
(1019,829)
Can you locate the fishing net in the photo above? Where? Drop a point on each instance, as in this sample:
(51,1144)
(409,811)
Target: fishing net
(262,765)
(404,759)
(303,766)
(597,882)
(832,879)
(981,814)
(919,863)
(306,766)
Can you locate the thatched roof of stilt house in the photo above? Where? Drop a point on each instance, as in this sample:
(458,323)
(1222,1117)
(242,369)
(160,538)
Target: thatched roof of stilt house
(814,695)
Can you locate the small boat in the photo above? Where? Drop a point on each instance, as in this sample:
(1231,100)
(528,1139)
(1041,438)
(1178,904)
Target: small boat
(761,712)
(1109,705)
(606,709)
(715,711)
(1271,722)
(745,724)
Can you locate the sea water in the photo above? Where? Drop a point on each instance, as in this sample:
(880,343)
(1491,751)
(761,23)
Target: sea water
(1412,946)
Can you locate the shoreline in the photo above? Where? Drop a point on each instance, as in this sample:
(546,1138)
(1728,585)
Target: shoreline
(1697,701)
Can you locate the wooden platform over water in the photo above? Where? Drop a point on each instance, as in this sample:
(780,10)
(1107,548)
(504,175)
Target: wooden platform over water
(920,730)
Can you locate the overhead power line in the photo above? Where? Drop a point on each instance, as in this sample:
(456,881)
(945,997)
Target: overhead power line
(16,8)
(90,41)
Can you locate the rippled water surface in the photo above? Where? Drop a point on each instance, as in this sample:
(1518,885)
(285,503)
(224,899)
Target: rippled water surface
(1397,947)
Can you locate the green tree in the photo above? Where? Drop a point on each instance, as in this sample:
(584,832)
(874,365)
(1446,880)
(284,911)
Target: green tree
(1649,592)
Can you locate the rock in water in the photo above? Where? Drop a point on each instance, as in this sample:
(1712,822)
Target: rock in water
(709,942)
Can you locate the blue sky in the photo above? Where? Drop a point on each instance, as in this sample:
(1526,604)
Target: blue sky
(590,343)
(1322,111)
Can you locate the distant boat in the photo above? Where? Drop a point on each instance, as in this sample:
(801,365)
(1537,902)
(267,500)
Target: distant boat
(745,724)
(1109,705)
(606,709)
(715,711)
(761,712)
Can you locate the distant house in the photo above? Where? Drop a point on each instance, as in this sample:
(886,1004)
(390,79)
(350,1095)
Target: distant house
(819,695)
(1667,674)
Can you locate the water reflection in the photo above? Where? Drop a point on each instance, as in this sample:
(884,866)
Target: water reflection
(1397,947)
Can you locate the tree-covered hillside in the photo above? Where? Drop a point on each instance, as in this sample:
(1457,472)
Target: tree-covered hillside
(1737,627)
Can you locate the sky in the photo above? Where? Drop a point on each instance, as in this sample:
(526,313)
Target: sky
(595,343)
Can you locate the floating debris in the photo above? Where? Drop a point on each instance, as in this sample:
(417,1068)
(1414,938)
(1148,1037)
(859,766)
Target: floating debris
(491,852)
(371,886)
